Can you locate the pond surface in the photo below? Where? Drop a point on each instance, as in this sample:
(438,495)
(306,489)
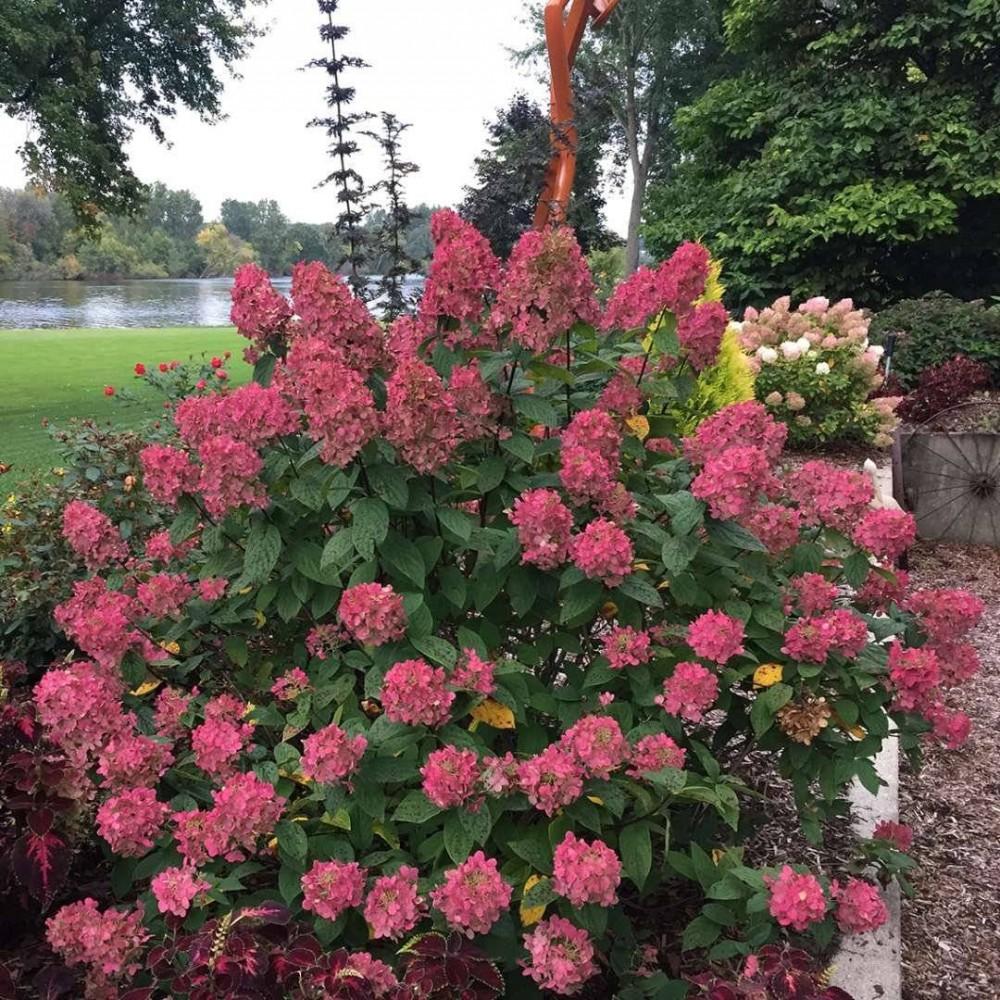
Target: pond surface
(142,304)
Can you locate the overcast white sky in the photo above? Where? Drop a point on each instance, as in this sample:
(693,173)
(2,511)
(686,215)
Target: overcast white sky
(442,65)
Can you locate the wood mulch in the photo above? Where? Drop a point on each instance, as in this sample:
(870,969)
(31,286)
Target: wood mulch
(951,927)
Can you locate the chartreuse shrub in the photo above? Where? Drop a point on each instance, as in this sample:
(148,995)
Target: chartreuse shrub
(816,371)
(439,681)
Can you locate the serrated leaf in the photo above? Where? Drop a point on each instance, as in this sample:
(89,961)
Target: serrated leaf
(700,933)
(403,559)
(456,521)
(262,552)
(536,410)
(678,553)
(457,840)
(636,850)
(686,513)
(735,535)
(641,590)
(338,550)
(490,474)
(292,841)
(435,648)
(415,808)
(369,525)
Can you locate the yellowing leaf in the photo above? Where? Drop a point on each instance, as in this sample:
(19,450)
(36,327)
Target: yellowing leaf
(172,648)
(767,674)
(639,426)
(145,687)
(245,590)
(494,714)
(531,914)
(260,619)
(717,855)
(387,834)
(640,567)
(596,799)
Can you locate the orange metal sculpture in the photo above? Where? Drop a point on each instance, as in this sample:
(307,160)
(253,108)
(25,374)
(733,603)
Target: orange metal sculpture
(565,24)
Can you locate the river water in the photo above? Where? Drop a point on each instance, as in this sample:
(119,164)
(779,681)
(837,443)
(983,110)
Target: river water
(160,303)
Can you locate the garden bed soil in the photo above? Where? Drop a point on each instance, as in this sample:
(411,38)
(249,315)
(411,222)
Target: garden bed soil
(951,926)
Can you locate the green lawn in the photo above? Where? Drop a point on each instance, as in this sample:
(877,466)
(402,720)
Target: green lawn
(60,374)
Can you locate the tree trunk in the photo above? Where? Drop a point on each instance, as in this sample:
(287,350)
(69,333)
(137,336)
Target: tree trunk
(634,219)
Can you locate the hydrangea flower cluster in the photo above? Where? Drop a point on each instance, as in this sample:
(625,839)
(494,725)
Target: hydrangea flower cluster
(217,744)
(653,753)
(586,872)
(627,647)
(130,760)
(716,636)
(733,482)
(814,594)
(416,693)
(474,674)
(544,526)
(131,821)
(860,906)
(597,743)
(330,755)
(175,889)
(795,900)
(700,333)
(259,312)
(473,895)
(393,906)
(449,777)
(108,942)
(811,640)
(291,684)
(551,779)
(331,887)
(739,424)
(603,551)
(689,692)
(827,495)
(899,835)
(372,614)
(945,615)
(92,536)
(886,533)
(560,956)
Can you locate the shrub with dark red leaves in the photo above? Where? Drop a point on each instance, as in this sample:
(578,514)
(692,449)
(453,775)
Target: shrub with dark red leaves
(942,386)
(775,973)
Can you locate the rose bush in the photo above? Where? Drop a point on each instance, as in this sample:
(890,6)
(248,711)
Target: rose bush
(816,372)
(445,674)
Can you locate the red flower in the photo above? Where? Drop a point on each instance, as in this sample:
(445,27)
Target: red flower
(163,366)
(216,362)
(200,384)
(109,390)
(140,368)
(222,374)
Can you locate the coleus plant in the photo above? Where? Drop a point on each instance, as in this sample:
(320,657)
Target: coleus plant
(450,634)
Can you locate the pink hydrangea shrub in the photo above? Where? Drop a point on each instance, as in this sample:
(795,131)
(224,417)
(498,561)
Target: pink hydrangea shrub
(372,614)
(716,636)
(414,692)
(330,755)
(795,900)
(330,887)
(604,552)
(560,956)
(92,536)
(175,889)
(473,895)
(627,647)
(449,777)
(393,906)
(689,692)
(544,526)
(653,753)
(551,779)
(586,872)
(860,906)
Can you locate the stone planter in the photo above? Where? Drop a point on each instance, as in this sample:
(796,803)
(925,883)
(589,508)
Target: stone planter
(950,481)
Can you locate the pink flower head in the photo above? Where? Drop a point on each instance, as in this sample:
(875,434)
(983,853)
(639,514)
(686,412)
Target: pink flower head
(949,727)
(171,704)
(551,779)
(700,333)
(217,744)
(131,821)
(330,887)
(586,475)
(339,406)
(945,615)
(159,548)
(259,312)
(229,475)
(450,775)
(597,743)
(622,395)
(796,900)
(176,888)
(683,277)
(129,760)
(92,536)
(899,835)
(212,588)
(79,707)
(324,640)
(372,614)
(733,482)
(476,408)
(596,430)
(546,290)
(544,524)
(689,692)
(473,895)
(420,418)
(736,425)
(604,552)
(414,692)
(860,906)
(807,641)
(463,271)
(291,684)
(886,533)
(474,674)
(329,311)
(99,621)
(716,636)
(109,942)
(586,872)
(252,414)
(914,674)
(167,473)
(330,755)
(560,956)
(634,302)
(164,595)
(831,496)
(499,774)
(393,907)
(814,593)
(627,647)
(846,632)
(776,526)
(959,662)
(653,753)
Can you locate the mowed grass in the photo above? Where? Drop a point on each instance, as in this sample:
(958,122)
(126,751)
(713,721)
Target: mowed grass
(56,375)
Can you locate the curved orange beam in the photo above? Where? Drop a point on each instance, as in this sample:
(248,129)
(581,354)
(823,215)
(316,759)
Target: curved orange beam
(564,31)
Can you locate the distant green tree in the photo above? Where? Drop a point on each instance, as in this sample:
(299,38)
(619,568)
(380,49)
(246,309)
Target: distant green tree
(177,213)
(314,242)
(510,173)
(223,251)
(84,73)
(240,217)
(263,224)
(856,153)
